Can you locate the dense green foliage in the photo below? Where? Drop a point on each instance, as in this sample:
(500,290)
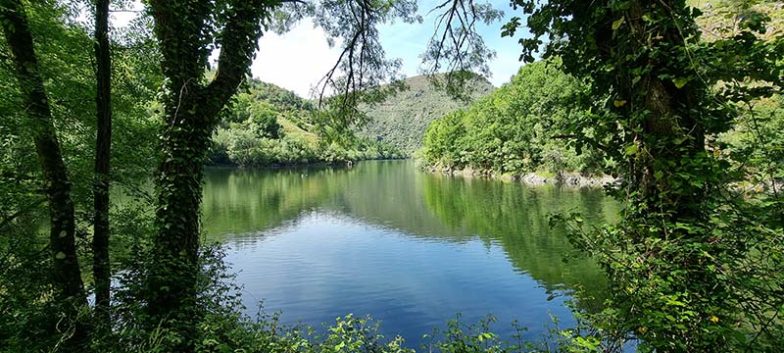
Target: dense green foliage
(696,261)
(401,119)
(268,126)
(31,309)
(519,128)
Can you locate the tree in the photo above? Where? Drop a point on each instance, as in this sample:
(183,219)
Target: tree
(66,275)
(187,31)
(191,110)
(693,262)
(100,244)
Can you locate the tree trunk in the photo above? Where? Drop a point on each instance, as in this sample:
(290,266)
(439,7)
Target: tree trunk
(670,131)
(175,269)
(100,245)
(66,275)
(191,115)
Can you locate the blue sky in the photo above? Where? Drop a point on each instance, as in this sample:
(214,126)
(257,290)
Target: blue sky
(408,41)
(297,59)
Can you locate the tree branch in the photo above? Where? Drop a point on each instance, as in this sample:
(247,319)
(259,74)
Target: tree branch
(239,42)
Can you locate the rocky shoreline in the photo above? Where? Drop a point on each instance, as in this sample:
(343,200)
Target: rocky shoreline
(568,179)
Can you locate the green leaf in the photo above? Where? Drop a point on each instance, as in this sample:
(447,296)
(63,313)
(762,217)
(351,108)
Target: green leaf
(680,82)
(631,150)
(618,23)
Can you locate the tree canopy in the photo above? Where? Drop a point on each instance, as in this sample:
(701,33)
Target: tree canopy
(520,128)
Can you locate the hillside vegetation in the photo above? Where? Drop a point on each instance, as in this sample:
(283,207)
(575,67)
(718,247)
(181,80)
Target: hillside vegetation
(725,18)
(402,119)
(267,125)
(757,139)
(530,124)
(515,129)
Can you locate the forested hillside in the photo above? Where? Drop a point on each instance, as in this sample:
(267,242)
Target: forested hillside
(530,124)
(756,141)
(402,119)
(517,129)
(268,125)
(725,18)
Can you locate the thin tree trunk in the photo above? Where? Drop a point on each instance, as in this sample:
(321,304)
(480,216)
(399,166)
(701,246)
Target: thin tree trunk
(100,245)
(66,275)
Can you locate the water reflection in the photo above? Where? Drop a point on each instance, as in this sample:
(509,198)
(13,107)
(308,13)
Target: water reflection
(410,248)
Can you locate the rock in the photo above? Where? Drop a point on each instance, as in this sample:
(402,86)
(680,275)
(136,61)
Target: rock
(575,180)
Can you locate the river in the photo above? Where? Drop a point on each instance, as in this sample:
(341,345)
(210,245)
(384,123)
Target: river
(408,248)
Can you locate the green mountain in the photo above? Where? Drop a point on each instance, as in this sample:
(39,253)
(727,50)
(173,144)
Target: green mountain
(267,125)
(401,120)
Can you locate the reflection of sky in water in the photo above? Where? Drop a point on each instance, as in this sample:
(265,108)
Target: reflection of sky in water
(409,248)
(325,266)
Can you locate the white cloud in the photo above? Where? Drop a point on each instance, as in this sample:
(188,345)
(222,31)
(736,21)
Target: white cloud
(505,65)
(296,60)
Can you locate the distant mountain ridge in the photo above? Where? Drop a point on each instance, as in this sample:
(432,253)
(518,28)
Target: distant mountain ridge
(401,120)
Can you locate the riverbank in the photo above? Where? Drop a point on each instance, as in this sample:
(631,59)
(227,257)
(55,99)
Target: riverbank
(297,165)
(568,179)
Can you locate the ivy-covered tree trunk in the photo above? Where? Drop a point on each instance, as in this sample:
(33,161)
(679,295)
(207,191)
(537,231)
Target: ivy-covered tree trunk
(174,269)
(187,31)
(100,245)
(666,109)
(667,257)
(66,275)
(669,133)
(192,109)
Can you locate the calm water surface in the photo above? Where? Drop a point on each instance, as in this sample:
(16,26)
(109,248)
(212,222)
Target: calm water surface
(408,248)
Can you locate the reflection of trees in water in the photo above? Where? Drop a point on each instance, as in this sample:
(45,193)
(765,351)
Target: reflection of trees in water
(395,195)
(517,218)
(245,201)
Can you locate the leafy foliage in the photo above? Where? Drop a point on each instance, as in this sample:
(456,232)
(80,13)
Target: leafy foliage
(519,128)
(681,260)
